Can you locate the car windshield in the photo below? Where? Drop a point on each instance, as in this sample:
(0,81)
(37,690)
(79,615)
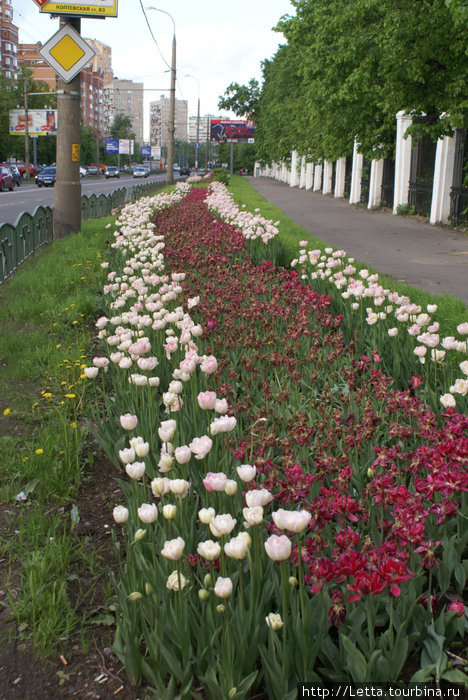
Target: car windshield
(48,171)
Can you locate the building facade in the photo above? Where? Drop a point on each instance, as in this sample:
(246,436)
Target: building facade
(8,40)
(159,121)
(124,97)
(102,61)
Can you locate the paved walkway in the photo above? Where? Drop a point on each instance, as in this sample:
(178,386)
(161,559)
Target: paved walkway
(429,257)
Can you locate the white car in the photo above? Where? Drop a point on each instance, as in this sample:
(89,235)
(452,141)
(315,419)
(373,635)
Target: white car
(140,172)
(83,171)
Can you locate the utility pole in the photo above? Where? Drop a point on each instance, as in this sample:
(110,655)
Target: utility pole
(67,191)
(171,126)
(26,129)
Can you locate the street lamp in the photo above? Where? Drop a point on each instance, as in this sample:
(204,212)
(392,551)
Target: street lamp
(197,145)
(171,126)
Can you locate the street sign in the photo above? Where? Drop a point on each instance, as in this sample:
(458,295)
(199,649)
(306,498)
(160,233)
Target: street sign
(67,53)
(82,8)
(40,3)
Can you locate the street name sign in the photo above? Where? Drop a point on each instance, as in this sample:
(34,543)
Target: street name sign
(67,53)
(82,8)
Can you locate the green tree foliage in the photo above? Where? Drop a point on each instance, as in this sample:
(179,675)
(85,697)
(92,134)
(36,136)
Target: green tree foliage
(12,97)
(241,99)
(122,127)
(350,65)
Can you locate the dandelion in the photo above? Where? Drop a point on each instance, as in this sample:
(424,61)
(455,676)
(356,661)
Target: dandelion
(39,451)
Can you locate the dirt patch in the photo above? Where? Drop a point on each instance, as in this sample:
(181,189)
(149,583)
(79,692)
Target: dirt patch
(97,672)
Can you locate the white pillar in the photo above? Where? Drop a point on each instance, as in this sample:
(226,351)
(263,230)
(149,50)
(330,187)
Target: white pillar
(309,176)
(402,161)
(327,177)
(302,178)
(318,177)
(356,173)
(443,179)
(294,177)
(340,177)
(375,183)
(284,172)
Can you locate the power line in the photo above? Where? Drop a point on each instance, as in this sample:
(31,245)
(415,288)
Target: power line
(152,35)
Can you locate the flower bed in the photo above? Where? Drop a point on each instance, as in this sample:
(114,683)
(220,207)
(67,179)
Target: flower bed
(290,514)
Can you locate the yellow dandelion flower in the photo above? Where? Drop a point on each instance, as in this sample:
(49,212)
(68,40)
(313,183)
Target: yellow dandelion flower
(6,411)
(70,396)
(54,323)
(47,394)
(39,451)
(59,345)
(25,459)
(73,322)
(82,376)
(73,425)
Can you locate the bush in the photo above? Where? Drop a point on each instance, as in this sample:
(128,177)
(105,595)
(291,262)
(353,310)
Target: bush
(221,175)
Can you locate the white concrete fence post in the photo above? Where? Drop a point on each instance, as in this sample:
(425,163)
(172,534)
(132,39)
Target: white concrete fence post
(340,177)
(402,161)
(443,180)
(327,177)
(309,176)
(375,183)
(356,174)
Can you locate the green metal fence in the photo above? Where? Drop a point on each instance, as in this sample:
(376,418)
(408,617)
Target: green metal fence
(20,241)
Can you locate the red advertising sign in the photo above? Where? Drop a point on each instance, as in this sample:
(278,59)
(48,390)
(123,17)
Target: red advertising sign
(232,130)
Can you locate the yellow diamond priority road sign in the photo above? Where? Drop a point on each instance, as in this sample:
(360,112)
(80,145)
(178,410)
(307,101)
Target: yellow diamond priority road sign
(67,52)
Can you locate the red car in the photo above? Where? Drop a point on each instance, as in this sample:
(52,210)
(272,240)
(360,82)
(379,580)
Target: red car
(6,179)
(22,168)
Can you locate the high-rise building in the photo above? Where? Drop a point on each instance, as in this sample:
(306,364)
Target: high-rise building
(102,60)
(92,86)
(124,97)
(159,121)
(8,40)
(204,127)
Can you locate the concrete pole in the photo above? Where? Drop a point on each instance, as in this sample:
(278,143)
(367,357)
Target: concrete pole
(26,130)
(67,192)
(171,126)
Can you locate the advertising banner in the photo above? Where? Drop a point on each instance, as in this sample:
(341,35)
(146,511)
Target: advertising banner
(126,146)
(83,8)
(156,152)
(41,122)
(232,130)
(111,146)
(146,151)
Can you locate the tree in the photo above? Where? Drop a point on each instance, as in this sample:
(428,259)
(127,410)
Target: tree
(241,99)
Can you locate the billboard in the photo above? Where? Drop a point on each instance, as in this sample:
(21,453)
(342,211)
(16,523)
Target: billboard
(111,146)
(156,152)
(83,8)
(41,122)
(146,151)
(232,130)
(126,146)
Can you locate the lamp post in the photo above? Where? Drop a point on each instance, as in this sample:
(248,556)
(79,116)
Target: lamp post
(171,125)
(197,145)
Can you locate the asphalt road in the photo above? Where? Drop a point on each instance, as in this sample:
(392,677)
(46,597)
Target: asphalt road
(432,258)
(28,195)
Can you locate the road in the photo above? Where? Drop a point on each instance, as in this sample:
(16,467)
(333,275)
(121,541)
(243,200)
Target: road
(29,196)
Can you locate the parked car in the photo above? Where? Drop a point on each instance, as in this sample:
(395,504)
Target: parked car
(112,171)
(140,172)
(6,179)
(47,177)
(14,171)
(184,170)
(93,170)
(83,171)
(22,168)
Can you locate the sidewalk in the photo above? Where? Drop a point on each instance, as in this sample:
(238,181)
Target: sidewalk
(429,257)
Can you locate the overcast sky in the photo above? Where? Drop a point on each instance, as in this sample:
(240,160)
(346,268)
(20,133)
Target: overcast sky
(218,42)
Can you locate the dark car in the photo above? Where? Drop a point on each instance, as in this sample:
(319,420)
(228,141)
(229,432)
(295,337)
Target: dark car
(112,171)
(184,170)
(6,179)
(14,171)
(47,177)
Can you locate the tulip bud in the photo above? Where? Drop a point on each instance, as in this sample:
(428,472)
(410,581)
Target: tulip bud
(136,595)
(231,487)
(148,588)
(220,608)
(293,581)
(203,594)
(139,535)
(169,511)
(232,693)
(207,580)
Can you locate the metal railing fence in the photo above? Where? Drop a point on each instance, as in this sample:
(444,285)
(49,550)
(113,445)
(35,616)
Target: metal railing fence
(21,240)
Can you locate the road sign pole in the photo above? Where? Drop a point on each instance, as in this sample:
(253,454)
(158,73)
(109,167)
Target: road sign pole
(67,194)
